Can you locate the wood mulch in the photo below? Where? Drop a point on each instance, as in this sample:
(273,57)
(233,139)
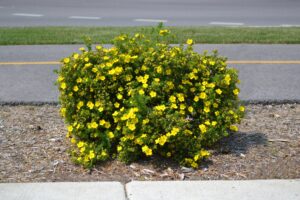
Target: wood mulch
(33,148)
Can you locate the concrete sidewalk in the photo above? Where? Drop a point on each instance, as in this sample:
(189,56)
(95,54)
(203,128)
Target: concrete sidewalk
(153,190)
(259,82)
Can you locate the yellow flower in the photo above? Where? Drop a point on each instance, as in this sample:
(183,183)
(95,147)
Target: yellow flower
(131,127)
(91,154)
(63,112)
(207,122)
(189,41)
(94,125)
(117,105)
(180,97)
(182,106)
(73,140)
(234,128)
(102,122)
(79,80)
(236,91)
(100,109)
(163,32)
(141,92)
(60,78)
(107,125)
(196,98)
(102,78)
(119,96)
(217,113)
(75,88)
(202,128)
(202,95)
(80,144)
(63,85)
(196,157)
(206,109)
(147,150)
(191,109)
(227,79)
(110,135)
(242,108)
(86,59)
(119,148)
(90,105)
(173,105)
(152,94)
(214,123)
(161,140)
(70,128)
(66,60)
(76,55)
(172,99)
(159,69)
(157,80)
(174,131)
(218,91)
(160,107)
(204,153)
(80,104)
(146,121)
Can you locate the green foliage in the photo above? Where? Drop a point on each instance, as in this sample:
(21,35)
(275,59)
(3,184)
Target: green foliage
(144,97)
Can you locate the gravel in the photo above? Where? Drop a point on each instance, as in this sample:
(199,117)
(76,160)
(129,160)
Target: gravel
(33,148)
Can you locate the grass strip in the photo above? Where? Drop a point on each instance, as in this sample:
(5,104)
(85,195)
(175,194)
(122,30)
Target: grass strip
(102,35)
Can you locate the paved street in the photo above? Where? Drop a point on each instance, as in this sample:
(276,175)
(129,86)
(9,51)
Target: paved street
(149,12)
(259,82)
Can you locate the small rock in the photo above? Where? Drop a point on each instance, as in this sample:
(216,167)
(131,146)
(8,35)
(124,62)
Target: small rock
(181,176)
(147,171)
(170,170)
(205,169)
(54,139)
(164,175)
(186,169)
(242,155)
(55,162)
(132,166)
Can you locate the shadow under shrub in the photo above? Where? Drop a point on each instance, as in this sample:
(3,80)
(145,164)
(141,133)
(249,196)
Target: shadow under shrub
(143,97)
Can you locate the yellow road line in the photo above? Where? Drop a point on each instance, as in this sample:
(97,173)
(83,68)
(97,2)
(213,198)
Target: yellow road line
(263,61)
(31,63)
(229,62)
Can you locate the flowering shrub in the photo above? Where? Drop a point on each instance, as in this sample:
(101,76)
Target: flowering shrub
(141,98)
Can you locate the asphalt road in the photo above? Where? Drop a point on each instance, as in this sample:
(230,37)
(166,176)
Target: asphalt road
(259,82)
(149,12)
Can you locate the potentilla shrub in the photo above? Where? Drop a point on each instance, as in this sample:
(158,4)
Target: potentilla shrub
(144,97)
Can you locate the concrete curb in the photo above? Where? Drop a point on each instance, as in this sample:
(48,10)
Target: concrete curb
(215,190)
(63,191)
(154,190)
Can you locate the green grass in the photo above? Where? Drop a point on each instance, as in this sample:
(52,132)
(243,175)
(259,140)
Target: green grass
(221,35)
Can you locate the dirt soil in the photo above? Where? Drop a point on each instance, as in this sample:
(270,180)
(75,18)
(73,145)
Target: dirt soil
(33,148)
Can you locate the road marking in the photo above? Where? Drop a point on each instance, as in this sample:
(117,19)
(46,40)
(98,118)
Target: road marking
(289,25)
(263,62)
(84,17)
(27,14)
(31,63)
(151,20)
(254,62)
(227,23)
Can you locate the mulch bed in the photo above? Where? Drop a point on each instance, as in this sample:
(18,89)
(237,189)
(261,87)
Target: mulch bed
(33,148)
